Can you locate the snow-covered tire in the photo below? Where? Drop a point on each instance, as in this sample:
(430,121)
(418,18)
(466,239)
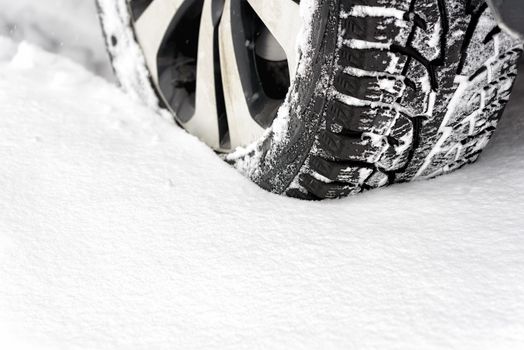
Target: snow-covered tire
(386,91)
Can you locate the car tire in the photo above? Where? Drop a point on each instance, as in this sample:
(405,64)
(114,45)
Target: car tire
(386,91)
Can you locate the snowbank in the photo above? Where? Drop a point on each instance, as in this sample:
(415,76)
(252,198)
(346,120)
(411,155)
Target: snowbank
(120,231)
(67,27)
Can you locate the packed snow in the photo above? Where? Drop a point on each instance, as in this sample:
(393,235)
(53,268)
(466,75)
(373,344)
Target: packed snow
(118,230)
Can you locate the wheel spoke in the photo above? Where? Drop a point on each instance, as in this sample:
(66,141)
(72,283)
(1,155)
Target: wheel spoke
(220,77)
(151,28)
(282,18)
(204,123)
(242,128)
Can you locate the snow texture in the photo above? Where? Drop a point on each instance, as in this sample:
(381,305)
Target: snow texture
(120,231)
(67,27)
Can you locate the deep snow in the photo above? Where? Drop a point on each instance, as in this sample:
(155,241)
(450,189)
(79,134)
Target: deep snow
(67,27)
(120,231)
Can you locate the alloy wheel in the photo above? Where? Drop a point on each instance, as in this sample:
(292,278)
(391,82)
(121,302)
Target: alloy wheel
(222,67)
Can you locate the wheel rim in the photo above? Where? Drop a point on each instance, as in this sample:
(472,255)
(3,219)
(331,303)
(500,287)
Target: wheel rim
(222,67)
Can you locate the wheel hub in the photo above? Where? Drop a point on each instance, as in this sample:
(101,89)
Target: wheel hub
(222,67)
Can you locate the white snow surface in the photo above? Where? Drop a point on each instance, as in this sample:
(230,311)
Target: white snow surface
(67,27)
(120,231)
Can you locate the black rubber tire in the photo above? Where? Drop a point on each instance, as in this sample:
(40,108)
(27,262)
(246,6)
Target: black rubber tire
(388,91)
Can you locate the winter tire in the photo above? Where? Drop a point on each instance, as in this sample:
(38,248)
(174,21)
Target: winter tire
(357,95)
